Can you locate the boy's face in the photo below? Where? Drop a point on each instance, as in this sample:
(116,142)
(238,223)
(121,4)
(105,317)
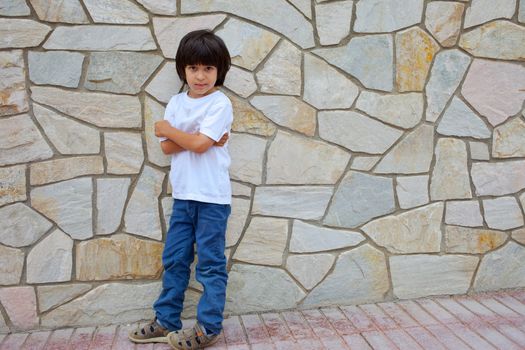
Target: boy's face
(201,79)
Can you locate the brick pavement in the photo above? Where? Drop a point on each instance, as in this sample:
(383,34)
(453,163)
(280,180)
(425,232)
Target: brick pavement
(476,322)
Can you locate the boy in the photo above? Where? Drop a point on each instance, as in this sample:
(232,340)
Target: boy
(192,132)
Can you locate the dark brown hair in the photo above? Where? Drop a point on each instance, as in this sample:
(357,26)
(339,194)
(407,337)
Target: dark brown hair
(203,47)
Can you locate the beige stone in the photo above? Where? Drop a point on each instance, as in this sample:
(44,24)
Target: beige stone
(501,268)
(287,111)
(106,304)
(472,241)
(364,163)
(499,39)
(165,84)
(443,20)
(360,276)
(118,257)
(301,202)
(248,119)
(111,198)
(124,152)
(239,189)
(64,169)
(325,87)
(414,231)
(519,235)
(307,238)
(51,260)
(21,33)
(21,226)
(248,44)
(264,242)
(356,131)
(421,275)
(333,21)
(20,305)
(249,290)
(116,11)
(247,154)
(403,110)
(309,270)
(11,265)
(412,191)
(402,158)
(68,136)
(415,50)
(240,81)
(50,296)
(68,11)
(13,95)
(508,140)
(281,73)
(21,141)
(69,204)
(160,7)
(481,11)
(103,110)
(12,184)
(296,160)
(101,38)
(142,215)
(450,178)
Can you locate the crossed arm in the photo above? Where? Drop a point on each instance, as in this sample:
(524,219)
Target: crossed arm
(179,140)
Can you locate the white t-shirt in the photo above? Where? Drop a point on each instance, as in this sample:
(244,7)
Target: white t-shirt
(204,176)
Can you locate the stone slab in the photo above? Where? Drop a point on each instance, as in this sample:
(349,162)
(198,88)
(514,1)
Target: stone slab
(264,242)
(67,135)
(21,141)
(360,276)
(308,238)
(307,161)
(501,268)
(21,226)
(12,83)
(12,184)
(100,109)
(118,257)
(359,198)
(414,231)
(301,202)
(64,169)
(69,204)
(51,260)
(55,68)
(101,38)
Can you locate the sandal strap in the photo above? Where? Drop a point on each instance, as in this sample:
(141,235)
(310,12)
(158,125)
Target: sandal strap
(150,328)
(190,339)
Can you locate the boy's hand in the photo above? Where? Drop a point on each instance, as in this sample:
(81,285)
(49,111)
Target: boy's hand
(161,128)
(222,141)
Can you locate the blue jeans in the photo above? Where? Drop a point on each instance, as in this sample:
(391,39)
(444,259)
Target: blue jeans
(205,224)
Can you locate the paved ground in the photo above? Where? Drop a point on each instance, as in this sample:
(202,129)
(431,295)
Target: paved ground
(486,321)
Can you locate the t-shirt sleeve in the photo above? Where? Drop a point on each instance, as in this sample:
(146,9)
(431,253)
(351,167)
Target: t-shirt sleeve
(167,116)
(217,121)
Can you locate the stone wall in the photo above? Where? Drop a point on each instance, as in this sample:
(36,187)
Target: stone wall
(378,152)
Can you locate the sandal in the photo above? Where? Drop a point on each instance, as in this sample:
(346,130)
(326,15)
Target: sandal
(191,338)
(150,333)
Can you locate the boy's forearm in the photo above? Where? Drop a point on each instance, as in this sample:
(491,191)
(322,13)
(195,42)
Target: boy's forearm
(198,143)
(170,147)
